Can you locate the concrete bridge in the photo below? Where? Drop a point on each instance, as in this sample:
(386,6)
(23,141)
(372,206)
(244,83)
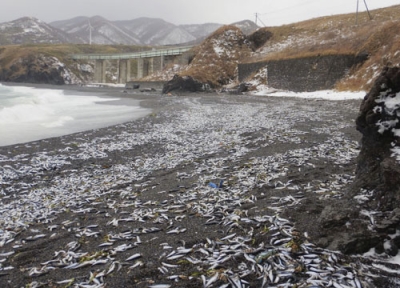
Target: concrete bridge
(147,62)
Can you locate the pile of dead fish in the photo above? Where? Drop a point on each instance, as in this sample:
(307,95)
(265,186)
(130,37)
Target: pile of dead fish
(31,193)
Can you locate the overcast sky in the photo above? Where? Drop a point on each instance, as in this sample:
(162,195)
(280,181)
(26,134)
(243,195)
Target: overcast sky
(270,12)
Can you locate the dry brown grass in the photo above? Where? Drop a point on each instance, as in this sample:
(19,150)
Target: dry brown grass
(11,53)
(217,57)
(15,59)
(340,34)
(332,35)
(383,45)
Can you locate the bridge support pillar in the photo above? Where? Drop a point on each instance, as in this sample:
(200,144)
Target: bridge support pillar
(140,67)
(100,71)
(162,62)
(124,69)
(151,66)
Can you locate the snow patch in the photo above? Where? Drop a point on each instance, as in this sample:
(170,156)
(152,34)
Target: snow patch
(264,90)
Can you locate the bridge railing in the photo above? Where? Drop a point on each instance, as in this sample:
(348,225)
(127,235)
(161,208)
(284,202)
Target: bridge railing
(133,55)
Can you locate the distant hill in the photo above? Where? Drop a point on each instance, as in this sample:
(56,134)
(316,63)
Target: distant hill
(144,31)
(29,30)
(98,30)
(215,57)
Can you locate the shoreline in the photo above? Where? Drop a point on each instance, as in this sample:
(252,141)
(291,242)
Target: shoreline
(115,97)
(133,202)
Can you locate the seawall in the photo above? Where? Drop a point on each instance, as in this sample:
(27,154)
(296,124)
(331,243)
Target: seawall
(302,74)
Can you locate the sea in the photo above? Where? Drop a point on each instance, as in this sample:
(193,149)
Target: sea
(29,114)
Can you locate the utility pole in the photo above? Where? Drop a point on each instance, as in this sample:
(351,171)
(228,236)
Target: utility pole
(90,32)
(365,3)
(357,13)
(259,19)
(370,17)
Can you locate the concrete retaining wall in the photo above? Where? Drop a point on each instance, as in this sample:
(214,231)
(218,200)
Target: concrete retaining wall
(302,74)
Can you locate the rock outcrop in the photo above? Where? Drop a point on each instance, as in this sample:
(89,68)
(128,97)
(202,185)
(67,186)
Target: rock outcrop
(184,84)
(216,58)
(368,215)
(259,38)
(44,69)
(378,165)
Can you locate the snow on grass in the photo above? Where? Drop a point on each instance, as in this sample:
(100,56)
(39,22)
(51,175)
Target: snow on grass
(218,49)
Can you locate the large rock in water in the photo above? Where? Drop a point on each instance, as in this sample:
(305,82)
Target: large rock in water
(184,84)
(378,166)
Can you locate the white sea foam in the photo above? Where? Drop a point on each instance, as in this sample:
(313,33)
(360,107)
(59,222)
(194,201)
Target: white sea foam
(28,114)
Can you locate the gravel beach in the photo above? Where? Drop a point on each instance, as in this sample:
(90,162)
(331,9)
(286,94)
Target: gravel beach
(206,191)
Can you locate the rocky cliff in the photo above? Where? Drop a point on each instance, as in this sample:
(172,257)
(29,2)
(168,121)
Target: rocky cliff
(41,68)
(379,122)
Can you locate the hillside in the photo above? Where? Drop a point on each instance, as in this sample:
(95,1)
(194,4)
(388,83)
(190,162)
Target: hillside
(96,30)
(51,63)
(29,30)
(99,30)
(378,38)
(215,59)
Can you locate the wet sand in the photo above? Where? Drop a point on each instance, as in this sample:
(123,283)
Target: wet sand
(132,206)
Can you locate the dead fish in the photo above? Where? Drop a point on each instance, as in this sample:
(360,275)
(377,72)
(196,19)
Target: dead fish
(133,257)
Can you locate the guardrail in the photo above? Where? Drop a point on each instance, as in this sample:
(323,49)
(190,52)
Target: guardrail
(133,55)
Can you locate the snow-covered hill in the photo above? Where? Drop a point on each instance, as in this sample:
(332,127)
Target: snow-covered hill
(31,30)
(152,31)
(98,30)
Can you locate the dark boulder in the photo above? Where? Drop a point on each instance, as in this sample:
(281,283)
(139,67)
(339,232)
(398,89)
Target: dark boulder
(50,76)
(243,87)
(259,38)
(184,84)
(378,165)
(132,85)
(36,69)
(355,227)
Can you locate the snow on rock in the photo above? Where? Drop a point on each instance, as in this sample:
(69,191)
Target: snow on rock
(56,65)
(167,74)
(223,45)
(389,109)
(216,59)
(379,161)
(39,68)
(85,68)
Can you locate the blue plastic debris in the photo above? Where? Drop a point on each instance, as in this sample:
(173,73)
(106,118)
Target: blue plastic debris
(213,185)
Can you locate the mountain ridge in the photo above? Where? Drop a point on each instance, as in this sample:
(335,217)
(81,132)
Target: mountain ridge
(99,30)
(30,30)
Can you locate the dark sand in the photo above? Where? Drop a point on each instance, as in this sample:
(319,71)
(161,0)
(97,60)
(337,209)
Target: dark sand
(165,184)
